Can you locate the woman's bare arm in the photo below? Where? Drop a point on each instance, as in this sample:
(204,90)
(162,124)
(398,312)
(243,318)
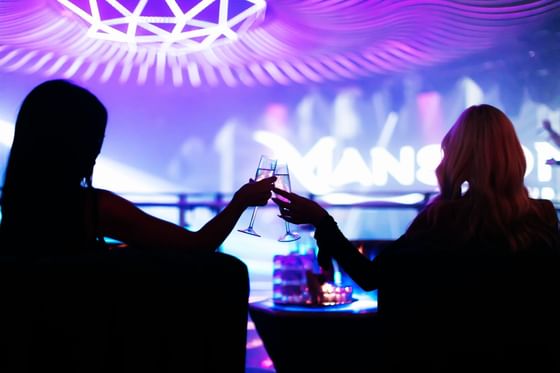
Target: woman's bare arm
(122,220)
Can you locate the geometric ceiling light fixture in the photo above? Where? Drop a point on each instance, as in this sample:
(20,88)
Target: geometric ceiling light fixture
(174,26)
(234,43)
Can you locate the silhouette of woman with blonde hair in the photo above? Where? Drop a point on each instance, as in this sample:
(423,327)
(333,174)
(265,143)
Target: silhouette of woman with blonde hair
(470,282)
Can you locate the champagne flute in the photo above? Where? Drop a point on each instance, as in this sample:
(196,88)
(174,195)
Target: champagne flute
(283,182)
(265,169)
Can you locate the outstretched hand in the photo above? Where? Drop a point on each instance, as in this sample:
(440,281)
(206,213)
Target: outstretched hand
(546,125)
(255,193)
(297,209)
(300,210)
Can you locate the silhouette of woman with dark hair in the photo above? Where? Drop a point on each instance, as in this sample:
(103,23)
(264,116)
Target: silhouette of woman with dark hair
(53,216)
(468,286)
(48,193)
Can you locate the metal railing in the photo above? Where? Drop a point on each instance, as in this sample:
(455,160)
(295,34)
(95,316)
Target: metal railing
(185,202)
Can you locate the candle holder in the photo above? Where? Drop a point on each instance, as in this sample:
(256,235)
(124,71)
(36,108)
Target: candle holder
(295,283)
(332,295)
(290,280)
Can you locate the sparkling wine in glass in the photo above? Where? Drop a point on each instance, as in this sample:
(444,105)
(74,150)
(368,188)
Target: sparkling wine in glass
(283,182)
(265,169)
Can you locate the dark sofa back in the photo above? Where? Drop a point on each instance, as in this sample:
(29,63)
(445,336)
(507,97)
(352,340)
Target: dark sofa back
(123,311)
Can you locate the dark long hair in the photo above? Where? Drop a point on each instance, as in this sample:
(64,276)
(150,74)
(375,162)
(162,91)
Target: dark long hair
(58,134)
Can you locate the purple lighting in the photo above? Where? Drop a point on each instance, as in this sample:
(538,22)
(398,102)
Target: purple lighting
(176,26)
(233,43)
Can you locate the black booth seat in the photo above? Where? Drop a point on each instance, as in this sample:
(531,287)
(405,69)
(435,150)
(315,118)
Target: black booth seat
(123,311)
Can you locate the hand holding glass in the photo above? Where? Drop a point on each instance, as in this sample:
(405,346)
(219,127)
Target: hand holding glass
(283,182)
(265,169)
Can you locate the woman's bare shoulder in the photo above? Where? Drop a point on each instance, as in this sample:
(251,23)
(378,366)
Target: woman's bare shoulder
(109,195)
(109,201)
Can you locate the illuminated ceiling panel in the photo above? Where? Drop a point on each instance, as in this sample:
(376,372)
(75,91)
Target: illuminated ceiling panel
(250,42)
(175,27)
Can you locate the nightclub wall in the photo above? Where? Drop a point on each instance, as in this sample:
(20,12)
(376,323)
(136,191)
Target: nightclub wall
(362,136)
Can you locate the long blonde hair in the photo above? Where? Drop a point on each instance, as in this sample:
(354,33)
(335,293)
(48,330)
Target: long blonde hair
(483,150)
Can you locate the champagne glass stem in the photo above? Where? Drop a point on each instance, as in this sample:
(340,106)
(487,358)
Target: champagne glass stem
(287,227)
(253,215)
